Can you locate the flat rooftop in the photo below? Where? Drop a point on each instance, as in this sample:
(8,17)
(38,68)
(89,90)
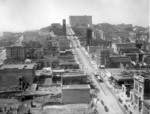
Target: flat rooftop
(74,70)
(120,59)
(122,78)
(74,75)
(18,66)
(114,70)
(9,102)
(76,87)
(59,71)
(40,73)
(68,63)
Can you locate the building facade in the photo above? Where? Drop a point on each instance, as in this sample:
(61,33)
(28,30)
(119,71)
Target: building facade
(72,94)
(146,107)
(64,43)
(141,90)
(10,73)
(16,52)
(103,57)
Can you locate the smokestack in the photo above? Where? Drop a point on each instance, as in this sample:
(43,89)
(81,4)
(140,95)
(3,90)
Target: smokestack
(64,26)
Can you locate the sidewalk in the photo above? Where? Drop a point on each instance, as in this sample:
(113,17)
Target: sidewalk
(117,92)
(130,108)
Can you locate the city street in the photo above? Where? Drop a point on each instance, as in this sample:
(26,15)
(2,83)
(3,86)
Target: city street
(74,57)
(105,94)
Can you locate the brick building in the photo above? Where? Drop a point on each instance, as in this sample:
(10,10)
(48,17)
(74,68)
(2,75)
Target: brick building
(68,65)
(119,61)
(103,57)
(141,90)
(10,74)
(16,52)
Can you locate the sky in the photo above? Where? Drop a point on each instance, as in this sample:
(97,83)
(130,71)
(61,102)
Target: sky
(22,15)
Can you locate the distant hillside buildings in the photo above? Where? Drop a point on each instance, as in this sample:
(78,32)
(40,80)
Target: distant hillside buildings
(78,21)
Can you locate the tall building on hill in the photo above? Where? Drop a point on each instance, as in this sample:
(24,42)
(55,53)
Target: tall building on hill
(81,21)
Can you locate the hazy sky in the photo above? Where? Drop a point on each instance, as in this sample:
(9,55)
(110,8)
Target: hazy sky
(19,15)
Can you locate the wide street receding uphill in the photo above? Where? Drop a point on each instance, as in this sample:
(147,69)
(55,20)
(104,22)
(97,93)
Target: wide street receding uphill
(86,63)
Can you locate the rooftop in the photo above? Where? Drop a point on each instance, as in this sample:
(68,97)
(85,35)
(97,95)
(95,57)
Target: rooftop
(75,87)
(43,73)
(114,70)
(125,45)
(74,71)
(130,49)
(74,75)
(122,78)
(80,16)
(58,71)
(120,59)
(18,66)
(68,63)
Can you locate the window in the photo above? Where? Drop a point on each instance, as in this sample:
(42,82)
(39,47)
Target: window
(135,99)
(140,89)
(123,88)
(131,96)
(136,86)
